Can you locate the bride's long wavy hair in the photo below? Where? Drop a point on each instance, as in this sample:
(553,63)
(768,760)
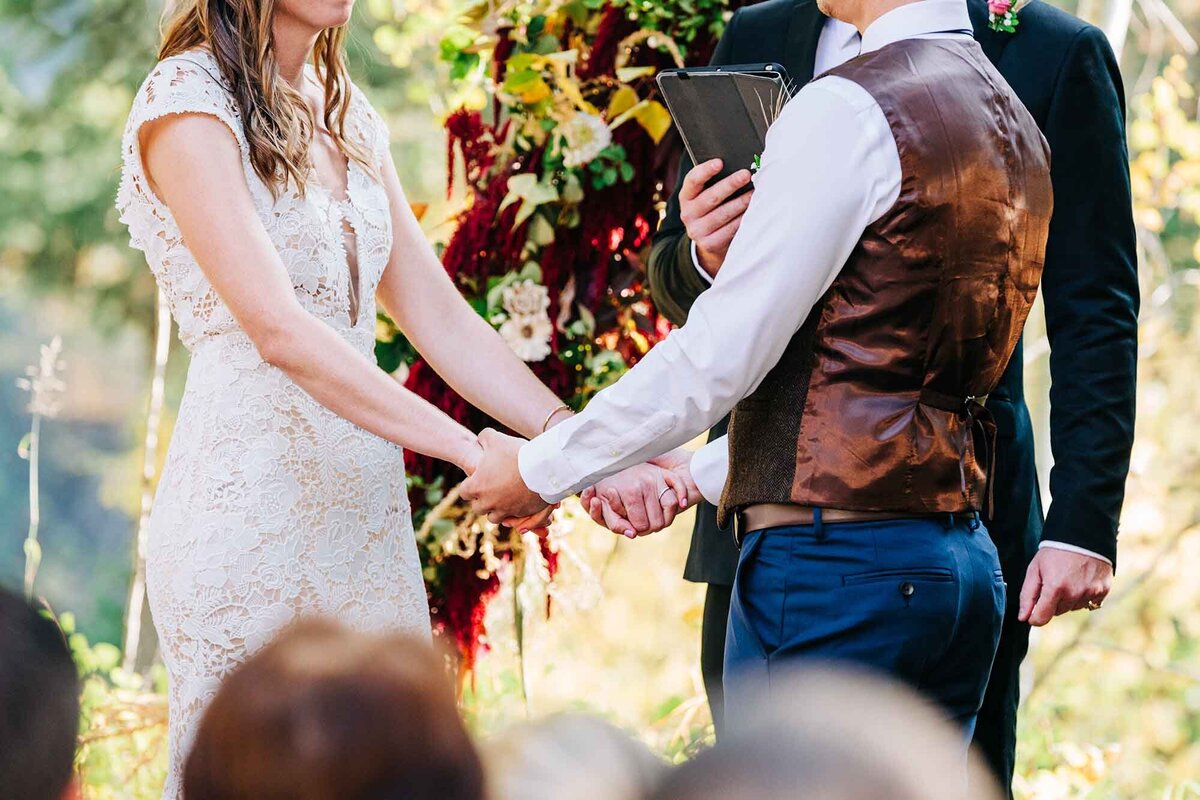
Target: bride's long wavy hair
(279,125)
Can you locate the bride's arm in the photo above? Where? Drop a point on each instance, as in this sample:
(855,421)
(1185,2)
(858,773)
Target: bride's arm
(464,349)
(195,167)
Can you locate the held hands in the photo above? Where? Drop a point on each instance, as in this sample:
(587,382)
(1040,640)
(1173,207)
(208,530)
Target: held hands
(710,217)
(495,486)
(1059,581)
(640,500)
(645,498)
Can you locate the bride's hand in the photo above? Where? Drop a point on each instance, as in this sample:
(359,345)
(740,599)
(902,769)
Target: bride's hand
(495,487)
(470,456)
(536,522)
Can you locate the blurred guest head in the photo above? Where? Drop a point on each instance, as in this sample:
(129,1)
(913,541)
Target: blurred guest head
(323,713)
(39,704)
(570,757)
(844,735)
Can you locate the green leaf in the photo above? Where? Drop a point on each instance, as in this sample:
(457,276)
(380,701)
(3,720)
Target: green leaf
(530,271)
(546,45)
(541,232)
(572,190)
(108,656)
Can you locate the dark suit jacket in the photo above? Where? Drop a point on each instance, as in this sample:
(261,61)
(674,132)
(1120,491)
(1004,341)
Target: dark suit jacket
(1064,71)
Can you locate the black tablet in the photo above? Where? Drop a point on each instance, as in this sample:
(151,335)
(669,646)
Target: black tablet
(724,112)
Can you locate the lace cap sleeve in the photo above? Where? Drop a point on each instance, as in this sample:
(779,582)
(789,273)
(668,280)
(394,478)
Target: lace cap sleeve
(189,83)
(373,130)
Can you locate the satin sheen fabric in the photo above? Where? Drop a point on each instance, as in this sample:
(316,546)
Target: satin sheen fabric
(869,408)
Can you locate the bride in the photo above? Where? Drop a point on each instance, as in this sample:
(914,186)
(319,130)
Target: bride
(258,182)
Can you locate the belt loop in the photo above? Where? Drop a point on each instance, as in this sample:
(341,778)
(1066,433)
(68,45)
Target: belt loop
(975,522)
(818,524)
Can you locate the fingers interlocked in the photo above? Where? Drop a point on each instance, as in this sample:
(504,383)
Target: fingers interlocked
(638,501)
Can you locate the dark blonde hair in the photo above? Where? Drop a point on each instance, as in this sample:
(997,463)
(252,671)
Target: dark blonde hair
(323,713)
(279,124)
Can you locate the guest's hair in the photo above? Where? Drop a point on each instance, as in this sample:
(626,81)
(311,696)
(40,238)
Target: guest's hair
(279,124)
(824,735)
(323,713)
(570,757)
(39,703)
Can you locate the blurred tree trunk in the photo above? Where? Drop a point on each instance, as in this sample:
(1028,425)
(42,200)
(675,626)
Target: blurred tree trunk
(140,640)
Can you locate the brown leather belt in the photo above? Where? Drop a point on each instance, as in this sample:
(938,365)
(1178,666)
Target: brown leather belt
(779,515)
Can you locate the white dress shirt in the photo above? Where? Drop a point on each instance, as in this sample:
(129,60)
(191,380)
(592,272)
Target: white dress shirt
(829,170)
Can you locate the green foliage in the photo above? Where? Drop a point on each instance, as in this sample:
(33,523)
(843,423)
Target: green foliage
(65,97)
(122,750)
(683,20)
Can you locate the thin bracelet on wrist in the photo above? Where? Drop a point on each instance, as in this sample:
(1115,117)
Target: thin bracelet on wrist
(551,415)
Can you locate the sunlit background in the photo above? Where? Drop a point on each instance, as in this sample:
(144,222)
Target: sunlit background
(1113,698)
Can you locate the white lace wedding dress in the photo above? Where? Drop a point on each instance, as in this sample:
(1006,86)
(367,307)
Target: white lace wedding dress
(270,505)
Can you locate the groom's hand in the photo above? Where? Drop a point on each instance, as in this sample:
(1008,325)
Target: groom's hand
(495,487)
(710,217)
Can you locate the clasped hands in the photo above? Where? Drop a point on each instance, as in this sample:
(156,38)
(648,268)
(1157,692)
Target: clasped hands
(632,503)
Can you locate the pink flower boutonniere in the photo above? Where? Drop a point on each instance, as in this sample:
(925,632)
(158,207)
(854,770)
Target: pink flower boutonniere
(1002,15)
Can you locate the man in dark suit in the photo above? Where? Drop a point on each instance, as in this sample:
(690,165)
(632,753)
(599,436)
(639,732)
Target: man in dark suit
(1065,73)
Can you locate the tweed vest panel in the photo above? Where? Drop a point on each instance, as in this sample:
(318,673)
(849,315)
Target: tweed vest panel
(872,406)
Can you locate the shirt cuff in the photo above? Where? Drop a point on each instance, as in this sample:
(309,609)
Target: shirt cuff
(1070,548)
(696,263)
(543,467)
(710,468)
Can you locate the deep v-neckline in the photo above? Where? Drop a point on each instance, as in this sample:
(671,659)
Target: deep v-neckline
(349,231)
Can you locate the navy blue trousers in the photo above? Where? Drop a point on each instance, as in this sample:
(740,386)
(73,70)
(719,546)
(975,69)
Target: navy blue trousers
(921,600)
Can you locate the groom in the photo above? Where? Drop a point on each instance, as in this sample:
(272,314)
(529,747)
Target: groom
(1065,73)
(869,304)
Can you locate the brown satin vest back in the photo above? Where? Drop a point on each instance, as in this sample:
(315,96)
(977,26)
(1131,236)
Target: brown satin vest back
(872,406)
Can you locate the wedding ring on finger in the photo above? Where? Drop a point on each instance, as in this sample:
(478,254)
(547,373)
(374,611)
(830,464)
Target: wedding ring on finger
(1093,605)
(663,493)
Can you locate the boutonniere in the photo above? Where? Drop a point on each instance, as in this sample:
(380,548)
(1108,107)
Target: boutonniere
(1002,15)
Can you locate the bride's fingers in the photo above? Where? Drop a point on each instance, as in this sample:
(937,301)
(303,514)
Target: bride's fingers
(595,509)
(679,487)
(670,506)
(632,512)
(537,521)
(615,523)
(651,493)
(531,522)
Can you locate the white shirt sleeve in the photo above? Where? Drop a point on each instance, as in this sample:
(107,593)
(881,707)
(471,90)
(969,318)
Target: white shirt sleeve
(1047,543)
(710,468)
(699,267)
(830,168)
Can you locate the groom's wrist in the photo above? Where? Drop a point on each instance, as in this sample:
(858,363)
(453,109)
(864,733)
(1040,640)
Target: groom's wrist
(538,474)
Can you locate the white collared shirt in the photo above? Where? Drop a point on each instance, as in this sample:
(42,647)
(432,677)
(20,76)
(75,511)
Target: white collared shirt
(830,169)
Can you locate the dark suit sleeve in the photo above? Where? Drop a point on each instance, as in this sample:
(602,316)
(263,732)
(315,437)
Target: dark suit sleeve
(674,282)
(1091,299)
